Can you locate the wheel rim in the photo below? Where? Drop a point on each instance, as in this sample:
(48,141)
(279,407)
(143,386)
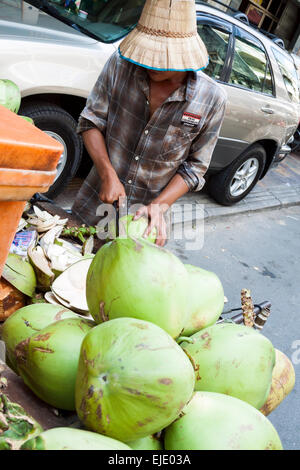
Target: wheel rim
(244,177)
(63,159)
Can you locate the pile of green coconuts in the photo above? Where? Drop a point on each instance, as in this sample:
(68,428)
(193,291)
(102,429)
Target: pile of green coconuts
(153,370)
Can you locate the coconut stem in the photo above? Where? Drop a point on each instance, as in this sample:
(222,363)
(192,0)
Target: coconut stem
(180,339)
(247,307)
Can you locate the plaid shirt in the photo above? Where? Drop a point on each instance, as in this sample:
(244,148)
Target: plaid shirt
(145,151)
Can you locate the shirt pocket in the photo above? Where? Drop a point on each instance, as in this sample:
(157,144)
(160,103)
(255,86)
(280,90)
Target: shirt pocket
(177,142)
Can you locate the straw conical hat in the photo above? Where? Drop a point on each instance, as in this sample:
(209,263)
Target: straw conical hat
(166,37)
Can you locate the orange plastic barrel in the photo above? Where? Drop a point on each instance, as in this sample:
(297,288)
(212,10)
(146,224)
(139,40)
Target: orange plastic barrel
(28,160)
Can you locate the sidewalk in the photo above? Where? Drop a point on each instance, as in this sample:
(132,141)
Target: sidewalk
(280,188)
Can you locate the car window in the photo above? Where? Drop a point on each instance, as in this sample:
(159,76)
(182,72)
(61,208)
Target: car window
(105,20)
(289,74)
(216,42)
(250,68)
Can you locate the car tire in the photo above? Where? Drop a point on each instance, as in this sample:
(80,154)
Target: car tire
(295,146)
(224,186)
(60,125)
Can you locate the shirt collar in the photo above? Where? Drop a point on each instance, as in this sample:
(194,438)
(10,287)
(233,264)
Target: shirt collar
(187,90)
(142,78)
(191,86)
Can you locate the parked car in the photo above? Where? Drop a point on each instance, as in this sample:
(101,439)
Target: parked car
(295,145)
(56,66)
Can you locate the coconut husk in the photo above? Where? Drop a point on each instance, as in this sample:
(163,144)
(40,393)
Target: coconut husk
(43,221)
(283,382)
(61,258)
(70,286)
(22,224)
(51,299)
(20,274)
(49,237)
(11,299)
(44,274)
(88,246)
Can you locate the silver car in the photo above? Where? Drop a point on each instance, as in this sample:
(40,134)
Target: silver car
(56,66)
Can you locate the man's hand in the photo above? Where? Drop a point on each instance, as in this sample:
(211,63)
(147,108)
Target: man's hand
(111,189)
(111,186)
(155,215)
(176,188)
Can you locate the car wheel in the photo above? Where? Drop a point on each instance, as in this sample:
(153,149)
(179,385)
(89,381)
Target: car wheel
(60,125)
(237,180)
(295,146)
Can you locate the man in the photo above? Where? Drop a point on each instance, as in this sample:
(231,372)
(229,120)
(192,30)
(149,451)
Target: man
(152,119)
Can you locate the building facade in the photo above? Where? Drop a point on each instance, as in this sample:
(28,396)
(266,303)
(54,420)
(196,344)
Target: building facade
(278,17)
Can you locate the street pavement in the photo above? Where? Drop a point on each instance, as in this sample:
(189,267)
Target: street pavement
(260,251)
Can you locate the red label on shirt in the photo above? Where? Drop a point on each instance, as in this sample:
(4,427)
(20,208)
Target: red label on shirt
(190,119)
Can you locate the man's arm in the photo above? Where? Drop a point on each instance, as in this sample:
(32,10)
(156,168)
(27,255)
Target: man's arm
(92,125)
(111,187)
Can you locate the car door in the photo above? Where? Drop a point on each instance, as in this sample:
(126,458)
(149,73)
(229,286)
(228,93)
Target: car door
(253,112)
(287,90)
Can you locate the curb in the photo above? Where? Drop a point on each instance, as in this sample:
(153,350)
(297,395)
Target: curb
(190,209)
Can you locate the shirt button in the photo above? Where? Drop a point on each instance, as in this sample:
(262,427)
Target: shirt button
(137,158)
(129,181)
(146,132)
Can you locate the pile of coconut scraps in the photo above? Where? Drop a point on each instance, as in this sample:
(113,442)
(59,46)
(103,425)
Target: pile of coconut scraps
(52,257)
(51,227)
(49,258)
(43,221)
(59,252)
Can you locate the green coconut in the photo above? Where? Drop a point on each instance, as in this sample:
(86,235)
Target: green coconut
(133,379)
(232,359)
(48,360)
(16,426)
(146,443)
(212,421)
(135,278)
(132,228)
(72,439)
(20,274)
(27,321)
(28,119)
(206,299)
(10,96)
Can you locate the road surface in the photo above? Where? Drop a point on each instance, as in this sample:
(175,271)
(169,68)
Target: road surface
(261,251)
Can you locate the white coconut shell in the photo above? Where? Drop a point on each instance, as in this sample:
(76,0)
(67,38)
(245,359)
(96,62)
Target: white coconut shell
(70,286)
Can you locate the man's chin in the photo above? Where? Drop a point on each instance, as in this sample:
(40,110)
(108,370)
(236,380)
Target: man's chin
(156,76)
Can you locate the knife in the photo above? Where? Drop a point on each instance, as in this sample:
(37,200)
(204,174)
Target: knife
(116,207)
